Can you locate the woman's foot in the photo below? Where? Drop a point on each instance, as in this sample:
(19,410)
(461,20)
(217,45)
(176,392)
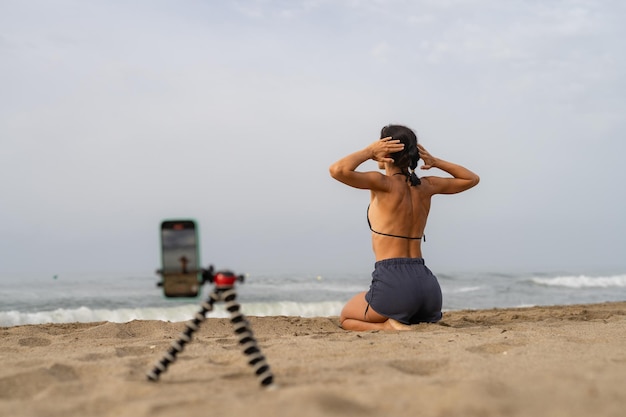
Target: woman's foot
(396,325)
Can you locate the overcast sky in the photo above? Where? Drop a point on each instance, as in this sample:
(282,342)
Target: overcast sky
(115,115)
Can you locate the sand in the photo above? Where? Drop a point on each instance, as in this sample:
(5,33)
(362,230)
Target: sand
(540,361)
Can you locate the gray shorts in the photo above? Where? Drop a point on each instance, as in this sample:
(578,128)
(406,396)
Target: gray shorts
(405,290)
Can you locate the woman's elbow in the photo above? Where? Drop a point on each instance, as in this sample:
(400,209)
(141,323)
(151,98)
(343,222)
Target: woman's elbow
(335,171)
(470,182)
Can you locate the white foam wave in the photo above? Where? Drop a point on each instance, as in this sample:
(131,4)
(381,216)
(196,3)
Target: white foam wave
(461,290)
(583,281)
(173,314)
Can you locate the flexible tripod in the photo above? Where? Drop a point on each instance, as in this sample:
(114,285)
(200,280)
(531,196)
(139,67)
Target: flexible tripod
(224,290)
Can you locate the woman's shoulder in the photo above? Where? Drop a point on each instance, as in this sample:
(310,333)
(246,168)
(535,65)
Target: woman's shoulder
(428,181)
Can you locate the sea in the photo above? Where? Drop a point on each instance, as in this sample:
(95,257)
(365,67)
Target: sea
(39,299)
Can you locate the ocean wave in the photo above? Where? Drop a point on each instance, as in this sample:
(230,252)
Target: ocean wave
(173,314)
(461,290)
(582,281)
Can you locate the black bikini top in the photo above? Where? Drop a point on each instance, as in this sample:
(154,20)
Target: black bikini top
(389,235)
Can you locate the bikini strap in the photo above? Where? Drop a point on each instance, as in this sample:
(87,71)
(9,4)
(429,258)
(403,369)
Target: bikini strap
(387,234)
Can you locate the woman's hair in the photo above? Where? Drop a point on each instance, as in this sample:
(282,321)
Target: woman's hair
(407,158)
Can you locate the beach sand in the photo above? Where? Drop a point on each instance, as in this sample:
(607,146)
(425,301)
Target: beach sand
(539,361)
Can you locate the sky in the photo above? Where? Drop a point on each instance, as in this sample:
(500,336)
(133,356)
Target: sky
(116,115)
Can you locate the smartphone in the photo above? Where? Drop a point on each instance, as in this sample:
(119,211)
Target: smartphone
(180,262)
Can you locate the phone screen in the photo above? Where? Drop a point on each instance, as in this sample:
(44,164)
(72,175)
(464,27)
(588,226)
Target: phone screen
(179,257)
(179,245)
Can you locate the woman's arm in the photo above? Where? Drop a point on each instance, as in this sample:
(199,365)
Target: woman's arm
(464,179)
(344,170)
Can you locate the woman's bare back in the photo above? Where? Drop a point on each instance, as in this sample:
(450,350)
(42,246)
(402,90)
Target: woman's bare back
(398,219)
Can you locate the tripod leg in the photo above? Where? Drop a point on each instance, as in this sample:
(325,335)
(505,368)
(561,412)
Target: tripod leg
(177,346)
(247,341)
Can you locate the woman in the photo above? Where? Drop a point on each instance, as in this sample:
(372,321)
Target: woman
(403,290)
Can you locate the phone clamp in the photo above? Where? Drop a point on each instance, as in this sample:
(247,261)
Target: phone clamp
(223,290)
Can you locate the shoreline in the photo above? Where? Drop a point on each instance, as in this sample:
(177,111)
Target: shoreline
(184,312)
(553,360)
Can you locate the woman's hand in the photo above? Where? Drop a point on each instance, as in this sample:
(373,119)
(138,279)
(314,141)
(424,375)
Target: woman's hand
(429,160)
(381,149)
(464,179)
(344,170)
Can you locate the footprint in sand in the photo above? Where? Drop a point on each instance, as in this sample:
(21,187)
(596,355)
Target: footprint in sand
(28,384)
(418,367)
(491,348)
(34,341)
(324,403)
(132,351)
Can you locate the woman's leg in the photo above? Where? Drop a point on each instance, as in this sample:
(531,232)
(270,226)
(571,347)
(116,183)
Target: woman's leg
(354,317)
